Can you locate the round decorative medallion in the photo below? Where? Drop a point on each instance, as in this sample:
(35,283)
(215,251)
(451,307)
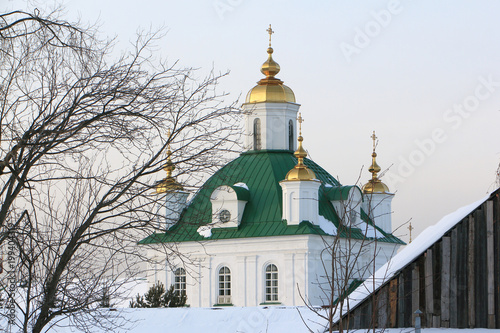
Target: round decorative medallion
(224,216)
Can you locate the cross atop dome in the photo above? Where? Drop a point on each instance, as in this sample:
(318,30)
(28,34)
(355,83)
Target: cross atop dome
(300,120)
(374,138)
(270,32)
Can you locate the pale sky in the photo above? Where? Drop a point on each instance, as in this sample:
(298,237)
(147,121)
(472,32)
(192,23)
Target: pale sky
(425,75)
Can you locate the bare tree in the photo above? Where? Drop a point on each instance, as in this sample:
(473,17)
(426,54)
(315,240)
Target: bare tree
(349,256)
(82,135)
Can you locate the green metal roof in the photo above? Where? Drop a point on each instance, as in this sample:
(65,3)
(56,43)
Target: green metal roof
(340,192)
(261,171)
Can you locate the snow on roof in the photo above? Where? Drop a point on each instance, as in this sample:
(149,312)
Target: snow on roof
(205,231)
(426,238)
(245,186)
(327,226)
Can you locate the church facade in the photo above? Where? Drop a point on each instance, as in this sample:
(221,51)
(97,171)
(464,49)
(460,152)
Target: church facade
(271,227)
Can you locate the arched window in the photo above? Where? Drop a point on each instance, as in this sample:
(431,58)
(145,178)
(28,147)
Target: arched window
(290,135)
(224,286)
(271,283)
(180,281)
(257,143)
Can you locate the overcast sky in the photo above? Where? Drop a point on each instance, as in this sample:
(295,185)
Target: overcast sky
(425,75)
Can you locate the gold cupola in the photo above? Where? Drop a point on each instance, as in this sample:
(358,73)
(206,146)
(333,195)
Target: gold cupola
(168,184)
(374,185)
(300,171)
(270,89)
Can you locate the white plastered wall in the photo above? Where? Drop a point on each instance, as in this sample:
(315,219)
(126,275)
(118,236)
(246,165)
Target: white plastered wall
(300,201)
(379,207)
(298,259)
(274,118)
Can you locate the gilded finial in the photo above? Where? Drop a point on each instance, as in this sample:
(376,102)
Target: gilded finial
(300,120)
(270,32)
(374,168)
(410,228)
(374,185)
(169,166)
(300,171)
(270,68)
(374,138)
(169,183)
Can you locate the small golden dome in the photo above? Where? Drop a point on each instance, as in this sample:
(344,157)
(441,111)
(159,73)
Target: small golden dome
(374,185)
(300,171)
(270,68)
(270,89)
(278,93)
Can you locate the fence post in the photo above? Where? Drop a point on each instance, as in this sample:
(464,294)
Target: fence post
(418,323)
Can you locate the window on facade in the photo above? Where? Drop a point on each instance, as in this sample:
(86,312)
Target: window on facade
(180,281)
(224,286)
(271,283)
(290,135)
(257,143)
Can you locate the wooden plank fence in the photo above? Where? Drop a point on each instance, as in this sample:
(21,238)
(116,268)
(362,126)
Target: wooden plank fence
(455,282)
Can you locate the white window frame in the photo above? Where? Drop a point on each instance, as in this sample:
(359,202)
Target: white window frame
(257,134)
(271,284)
(180,281)
(224,285)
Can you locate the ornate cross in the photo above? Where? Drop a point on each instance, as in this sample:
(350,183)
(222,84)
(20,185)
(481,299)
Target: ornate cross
(410,228)
(270,32)
(300,120)
(374,138)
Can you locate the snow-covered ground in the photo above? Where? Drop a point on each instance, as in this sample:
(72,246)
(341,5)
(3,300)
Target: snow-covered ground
(208,320)
(228,320)
(430,330)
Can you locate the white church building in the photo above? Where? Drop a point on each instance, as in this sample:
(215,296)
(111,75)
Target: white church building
(271,226)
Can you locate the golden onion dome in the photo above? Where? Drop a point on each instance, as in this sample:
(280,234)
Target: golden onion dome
(270,89)
(374,185)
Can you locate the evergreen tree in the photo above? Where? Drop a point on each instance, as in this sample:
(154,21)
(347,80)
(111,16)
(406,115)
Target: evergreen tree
(157,297)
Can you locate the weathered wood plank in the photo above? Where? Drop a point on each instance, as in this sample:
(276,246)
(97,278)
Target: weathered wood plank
(393,302)
(481,284)
(415,289)
(445,282)
(496,226)
(470,274)
(401,300)
(408,295)
(436,268)
(421,281)
(382,320)
(429,288)
(356,323)
(462,274)
(453,278)
(490,264)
